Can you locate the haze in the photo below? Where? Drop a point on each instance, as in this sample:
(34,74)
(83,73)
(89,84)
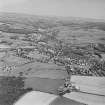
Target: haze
(66,8)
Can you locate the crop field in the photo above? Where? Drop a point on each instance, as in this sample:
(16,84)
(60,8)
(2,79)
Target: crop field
(36,53)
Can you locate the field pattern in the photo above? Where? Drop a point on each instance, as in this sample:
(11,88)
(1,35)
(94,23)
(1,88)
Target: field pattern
(48,47)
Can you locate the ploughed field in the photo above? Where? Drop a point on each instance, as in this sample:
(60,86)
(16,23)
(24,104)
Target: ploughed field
(35,52)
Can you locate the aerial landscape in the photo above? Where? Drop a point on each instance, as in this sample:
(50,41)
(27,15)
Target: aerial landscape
(37,52)
(52,52)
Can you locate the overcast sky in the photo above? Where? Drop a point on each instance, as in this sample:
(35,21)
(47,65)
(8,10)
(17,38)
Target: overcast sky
(75,8)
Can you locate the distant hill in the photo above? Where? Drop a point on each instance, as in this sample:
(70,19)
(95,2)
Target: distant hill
(72,29)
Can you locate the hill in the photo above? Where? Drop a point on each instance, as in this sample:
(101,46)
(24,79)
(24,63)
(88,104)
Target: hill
(38,46)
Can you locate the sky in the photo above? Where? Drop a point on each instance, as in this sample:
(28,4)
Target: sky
(66,8)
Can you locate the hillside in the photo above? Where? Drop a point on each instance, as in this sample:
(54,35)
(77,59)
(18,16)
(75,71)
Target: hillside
(48,47)
(46,36)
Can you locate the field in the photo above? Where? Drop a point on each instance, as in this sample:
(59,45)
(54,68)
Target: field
(36,52)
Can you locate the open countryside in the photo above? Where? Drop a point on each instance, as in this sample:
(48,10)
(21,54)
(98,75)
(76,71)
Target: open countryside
(37,53)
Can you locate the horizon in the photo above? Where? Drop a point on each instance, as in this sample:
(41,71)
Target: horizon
(53,16)
(93,9)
